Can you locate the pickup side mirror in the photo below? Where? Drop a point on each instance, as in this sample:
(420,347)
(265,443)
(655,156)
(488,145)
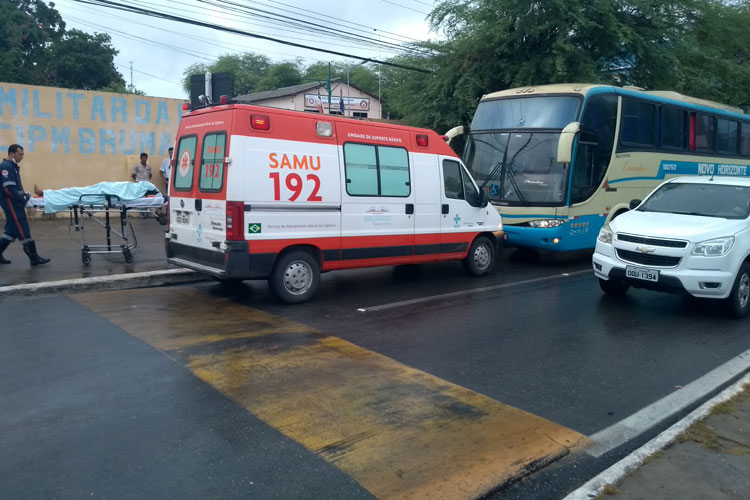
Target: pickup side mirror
(634,203)
(565,144)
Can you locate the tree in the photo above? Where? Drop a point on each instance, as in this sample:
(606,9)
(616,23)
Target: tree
(246,70)
(28,28)
(85,61)
(714,58)
(280,75)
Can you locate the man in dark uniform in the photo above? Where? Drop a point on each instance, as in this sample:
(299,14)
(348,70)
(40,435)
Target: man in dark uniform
(13,201)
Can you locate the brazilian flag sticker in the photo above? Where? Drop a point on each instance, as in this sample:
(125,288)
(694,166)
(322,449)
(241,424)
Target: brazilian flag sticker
(254,228)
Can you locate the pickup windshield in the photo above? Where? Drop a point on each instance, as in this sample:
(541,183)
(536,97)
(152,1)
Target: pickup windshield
(707,200)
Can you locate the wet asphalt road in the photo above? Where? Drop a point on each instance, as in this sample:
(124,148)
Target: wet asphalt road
(89,409)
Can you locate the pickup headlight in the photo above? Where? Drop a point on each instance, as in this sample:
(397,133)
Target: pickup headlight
(546,223)
(605,235)
(714,248)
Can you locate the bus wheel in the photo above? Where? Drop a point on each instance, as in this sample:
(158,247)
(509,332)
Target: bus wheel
(295,277)
(613,287)
(481,258)
(738,302)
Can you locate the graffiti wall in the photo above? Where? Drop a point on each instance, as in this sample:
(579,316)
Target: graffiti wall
(79,137)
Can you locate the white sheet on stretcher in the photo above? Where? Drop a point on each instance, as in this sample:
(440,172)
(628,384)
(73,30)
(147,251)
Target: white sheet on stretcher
(131,194)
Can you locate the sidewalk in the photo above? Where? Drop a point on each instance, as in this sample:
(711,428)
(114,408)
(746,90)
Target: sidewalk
(56,239)
(705,456)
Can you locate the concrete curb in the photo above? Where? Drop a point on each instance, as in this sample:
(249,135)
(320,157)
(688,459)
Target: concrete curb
(112,282)
(617,471)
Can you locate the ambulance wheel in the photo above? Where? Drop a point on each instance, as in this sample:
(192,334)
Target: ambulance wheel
(738,302)
(85,258)
(481,258)
(613,287)
(295,277)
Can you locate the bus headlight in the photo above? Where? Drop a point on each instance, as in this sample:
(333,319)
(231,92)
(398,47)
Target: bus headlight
(546,223)
(713,248)
(605,235)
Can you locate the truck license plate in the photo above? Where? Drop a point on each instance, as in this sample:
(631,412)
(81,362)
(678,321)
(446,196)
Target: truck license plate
(641,273)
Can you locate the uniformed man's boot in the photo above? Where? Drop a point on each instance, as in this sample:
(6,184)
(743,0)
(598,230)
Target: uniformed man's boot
(3,245)
(30,248)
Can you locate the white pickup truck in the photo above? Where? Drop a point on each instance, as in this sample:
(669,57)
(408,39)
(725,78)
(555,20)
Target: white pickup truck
(690,235)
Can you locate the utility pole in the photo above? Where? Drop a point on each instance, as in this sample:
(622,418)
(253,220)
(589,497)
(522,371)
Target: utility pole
(328,87)
(132,88)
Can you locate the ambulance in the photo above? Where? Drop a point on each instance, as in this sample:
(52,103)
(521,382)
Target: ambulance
(265,193)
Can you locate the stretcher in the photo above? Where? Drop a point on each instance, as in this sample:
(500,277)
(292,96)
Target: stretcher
(102,204)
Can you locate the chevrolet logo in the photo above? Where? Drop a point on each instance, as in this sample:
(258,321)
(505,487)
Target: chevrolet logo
(645,249)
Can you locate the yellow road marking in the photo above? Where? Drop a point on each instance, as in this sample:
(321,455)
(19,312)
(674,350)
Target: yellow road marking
(399,432)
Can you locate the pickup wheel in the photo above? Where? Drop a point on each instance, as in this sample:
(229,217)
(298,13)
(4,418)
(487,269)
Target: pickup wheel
(295,277)
(738,302)
(613,287)
(481,257)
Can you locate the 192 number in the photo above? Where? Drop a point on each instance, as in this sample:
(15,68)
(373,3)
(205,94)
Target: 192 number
(294,184)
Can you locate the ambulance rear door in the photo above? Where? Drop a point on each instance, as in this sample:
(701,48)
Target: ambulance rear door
(198,201)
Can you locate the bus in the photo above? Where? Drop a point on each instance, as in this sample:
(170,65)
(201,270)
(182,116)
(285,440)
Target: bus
(560,161)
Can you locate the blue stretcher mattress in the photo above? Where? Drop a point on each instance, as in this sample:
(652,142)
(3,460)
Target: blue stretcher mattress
(131,194)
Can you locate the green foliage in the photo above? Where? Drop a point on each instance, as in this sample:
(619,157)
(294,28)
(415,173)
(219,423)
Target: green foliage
(280,75)
(85,62)
(246,70)
(28,28)
(36,49)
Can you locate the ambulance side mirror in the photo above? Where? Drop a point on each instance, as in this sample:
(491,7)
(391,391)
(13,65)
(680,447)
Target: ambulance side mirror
(481,200)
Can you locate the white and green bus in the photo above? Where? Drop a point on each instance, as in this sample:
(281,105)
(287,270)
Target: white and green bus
(559,161)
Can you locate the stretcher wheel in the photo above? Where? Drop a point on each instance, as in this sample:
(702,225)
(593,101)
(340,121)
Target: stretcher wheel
(85,258)
(128,256)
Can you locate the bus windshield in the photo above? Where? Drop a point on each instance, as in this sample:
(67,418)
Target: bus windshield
(512,148)
(519,168)
(526,112)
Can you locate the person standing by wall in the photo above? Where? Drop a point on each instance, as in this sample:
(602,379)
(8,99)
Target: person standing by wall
(13,202)
(166,168)
(142,171)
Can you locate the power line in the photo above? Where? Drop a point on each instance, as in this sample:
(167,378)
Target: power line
(162,15)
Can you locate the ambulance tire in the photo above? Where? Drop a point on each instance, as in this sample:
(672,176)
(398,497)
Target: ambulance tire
(481,257)
(295,277)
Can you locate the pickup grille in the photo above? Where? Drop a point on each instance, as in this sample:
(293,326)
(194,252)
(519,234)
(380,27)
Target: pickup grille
(648,259)
(657,242)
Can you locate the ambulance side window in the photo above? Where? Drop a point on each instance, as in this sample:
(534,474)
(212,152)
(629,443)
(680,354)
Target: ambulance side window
(454,187)
(212,162)
(457,183)
(376,170)
(183,164)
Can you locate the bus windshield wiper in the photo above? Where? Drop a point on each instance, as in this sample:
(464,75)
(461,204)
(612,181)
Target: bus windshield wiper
(494,170)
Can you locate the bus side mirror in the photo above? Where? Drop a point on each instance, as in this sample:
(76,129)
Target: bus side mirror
(455,132)
(565,144)
(634,203)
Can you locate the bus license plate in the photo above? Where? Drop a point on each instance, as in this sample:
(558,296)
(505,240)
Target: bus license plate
(641,273)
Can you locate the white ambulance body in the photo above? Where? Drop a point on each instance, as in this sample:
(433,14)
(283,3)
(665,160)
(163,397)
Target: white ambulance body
(262,193)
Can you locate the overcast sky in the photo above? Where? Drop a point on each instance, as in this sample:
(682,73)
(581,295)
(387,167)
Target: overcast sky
(160,50)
